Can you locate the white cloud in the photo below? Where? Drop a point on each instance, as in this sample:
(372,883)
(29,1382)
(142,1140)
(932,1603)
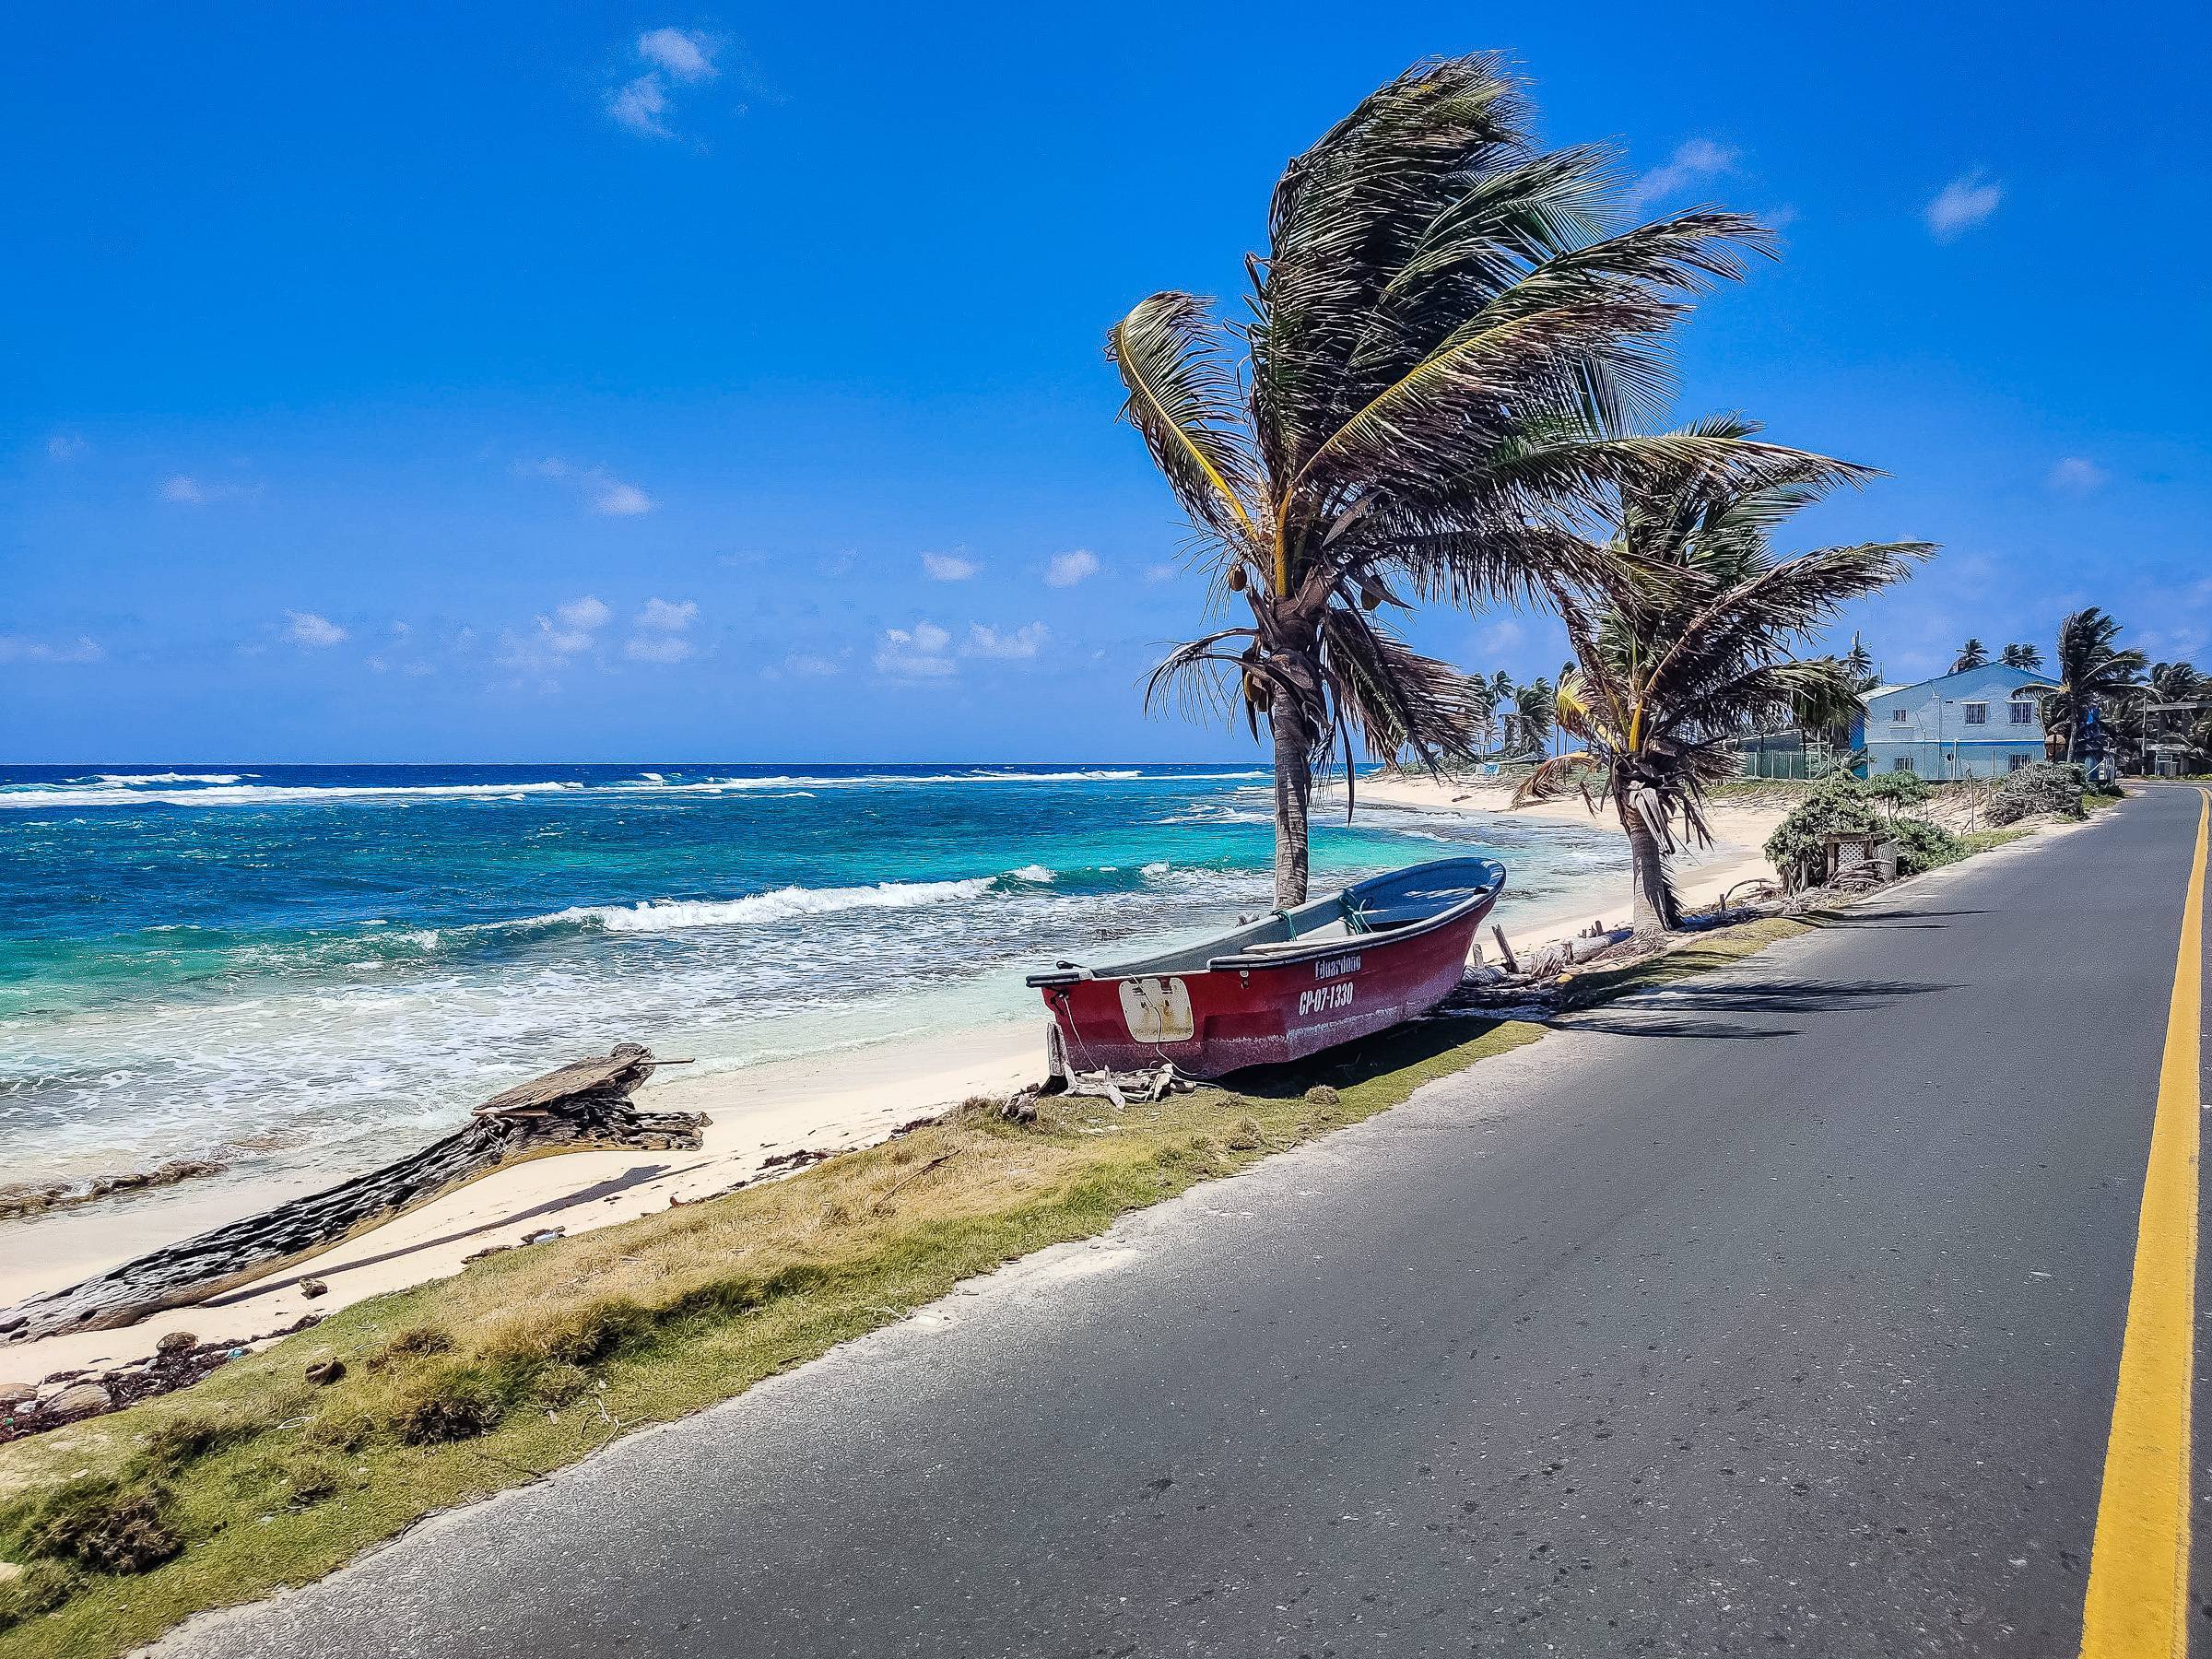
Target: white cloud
(984,640)
(17,648)
(66,446)
(916,652)
(642,103)
(948,567)
(668,618)
(2078,474)
(659,648)
(1962,203)
(661,628)
(613,496)
(639,105)
(601,491)
(807,664)
(1067,568)
(187,491)
(1694,160)
(685,53)
(1158,574)
(587,613)
(307,628)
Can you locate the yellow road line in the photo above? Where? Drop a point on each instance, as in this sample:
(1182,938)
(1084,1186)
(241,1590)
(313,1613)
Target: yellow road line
(2138,1599)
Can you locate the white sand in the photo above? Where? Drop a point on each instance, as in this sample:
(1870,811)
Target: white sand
(851,1099)
(834,1101)
(1738,853)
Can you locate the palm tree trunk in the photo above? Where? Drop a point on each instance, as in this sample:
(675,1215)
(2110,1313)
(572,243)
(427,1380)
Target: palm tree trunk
(1293,794)
(1653,899)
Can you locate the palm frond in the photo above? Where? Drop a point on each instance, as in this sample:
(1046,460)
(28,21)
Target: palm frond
(1183,397)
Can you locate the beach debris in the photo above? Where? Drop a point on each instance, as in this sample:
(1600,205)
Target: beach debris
(799,1159)
(168,1369)
(176,1342)
(544,1235)
(323,1372)
(79,1399)
(582,1106)
(1504,950)
(312,1288)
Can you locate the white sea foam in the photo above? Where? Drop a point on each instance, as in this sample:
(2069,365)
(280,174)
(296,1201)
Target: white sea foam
(1031,872)
(274,795)
(226,789)
(668,915)
(131,780)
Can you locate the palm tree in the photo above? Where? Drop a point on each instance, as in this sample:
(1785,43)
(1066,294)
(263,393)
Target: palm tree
(1448,347)
(1664,685)
(1858,662)
(1972,654)
(2024,656)
(1534,708)
(2091,672)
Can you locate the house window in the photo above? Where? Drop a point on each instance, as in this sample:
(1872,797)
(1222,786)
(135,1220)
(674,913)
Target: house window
(2023,711)
(2017,761)
(1901,716)
(1902,763)
(1976,713)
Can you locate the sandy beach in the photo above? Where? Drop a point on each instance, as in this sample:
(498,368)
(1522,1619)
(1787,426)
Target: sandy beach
(838,1100)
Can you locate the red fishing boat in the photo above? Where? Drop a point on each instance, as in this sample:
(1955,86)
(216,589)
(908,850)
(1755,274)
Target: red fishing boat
(1296,982)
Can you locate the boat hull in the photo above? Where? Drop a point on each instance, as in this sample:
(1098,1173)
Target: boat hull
(1248,1013)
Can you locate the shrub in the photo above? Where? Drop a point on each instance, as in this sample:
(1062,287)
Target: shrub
(1837,805)
(1923,846)
(2047,786)
(1843,805)
(105,1526)
(450,1402)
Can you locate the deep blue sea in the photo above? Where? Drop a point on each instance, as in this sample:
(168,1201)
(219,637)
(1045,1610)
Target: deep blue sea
(330,963)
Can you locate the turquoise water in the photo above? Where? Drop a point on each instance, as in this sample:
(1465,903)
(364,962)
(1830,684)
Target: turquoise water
(293,964)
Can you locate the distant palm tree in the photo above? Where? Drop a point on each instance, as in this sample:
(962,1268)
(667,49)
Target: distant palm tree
(1447,350)
(1972,654)
(2024,656)
(1670,675)
(2092,671)
(1858,662)
(1534,708)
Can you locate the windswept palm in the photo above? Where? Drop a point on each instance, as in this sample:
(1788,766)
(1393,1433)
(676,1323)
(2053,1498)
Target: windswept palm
(1664,684)
(1447,346)
(1972,654)
(2092,671)
(2024,656)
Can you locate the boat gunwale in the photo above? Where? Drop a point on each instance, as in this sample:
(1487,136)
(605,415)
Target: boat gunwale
(1247,962)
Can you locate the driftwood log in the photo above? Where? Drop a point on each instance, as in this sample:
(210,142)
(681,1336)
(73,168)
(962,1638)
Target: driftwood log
(582,1107)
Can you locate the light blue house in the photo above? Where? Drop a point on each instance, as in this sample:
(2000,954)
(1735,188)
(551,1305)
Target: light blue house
(1980,723)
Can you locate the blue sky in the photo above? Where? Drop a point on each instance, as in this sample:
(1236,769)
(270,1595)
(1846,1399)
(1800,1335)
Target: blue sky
(567,381)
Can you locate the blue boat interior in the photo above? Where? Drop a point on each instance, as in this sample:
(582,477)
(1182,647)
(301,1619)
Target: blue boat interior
(1391,902)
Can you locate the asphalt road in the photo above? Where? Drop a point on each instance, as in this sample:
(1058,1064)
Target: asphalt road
(1779,1312)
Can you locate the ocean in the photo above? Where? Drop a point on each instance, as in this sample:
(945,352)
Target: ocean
(282,965)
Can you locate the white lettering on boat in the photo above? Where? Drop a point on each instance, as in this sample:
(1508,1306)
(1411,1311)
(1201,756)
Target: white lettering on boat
(1330,967)
(1321,998)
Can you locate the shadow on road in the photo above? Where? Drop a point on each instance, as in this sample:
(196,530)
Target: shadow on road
(1662,1013)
